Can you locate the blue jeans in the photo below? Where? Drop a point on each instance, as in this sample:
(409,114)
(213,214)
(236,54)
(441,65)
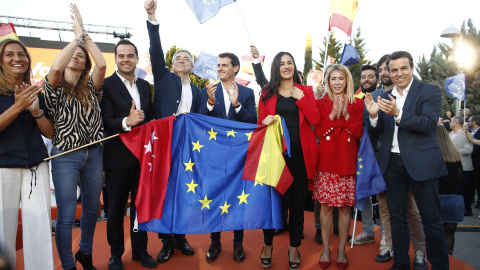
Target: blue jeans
(82,168)
(399,182)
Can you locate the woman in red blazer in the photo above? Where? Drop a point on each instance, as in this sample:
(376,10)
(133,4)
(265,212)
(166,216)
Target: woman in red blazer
(285,96)
(339,129)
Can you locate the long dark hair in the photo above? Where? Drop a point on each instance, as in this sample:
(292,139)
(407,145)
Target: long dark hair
(4,86)
(271,87)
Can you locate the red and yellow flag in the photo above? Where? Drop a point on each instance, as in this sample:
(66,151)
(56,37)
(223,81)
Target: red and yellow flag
(247,61)
(342,14)
(7,31)
(265,163)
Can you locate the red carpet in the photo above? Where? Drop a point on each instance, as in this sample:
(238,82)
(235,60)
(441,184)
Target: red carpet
(360,257)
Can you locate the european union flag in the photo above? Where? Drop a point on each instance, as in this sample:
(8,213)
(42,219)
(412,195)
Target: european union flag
(206,66)
(455,86)
(205,191)
(206,9)
(369,178)
(350,56)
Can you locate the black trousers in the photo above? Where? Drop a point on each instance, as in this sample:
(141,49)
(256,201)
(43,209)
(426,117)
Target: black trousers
(237,237)
(119,184)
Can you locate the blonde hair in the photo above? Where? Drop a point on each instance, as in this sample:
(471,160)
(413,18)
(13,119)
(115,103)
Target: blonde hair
(349,87)
(4,87)
(449,151)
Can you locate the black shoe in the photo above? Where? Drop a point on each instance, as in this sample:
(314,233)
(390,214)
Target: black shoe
(477,205)
(183,246)
(213,251)
(73,268)
(145,259)
(397,266)
(468,213)
(238,253)
(266,262)
(165,253)
(115,263)
(85,260)
(293,265)
(318,237)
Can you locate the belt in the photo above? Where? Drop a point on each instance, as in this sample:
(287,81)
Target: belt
(396,154)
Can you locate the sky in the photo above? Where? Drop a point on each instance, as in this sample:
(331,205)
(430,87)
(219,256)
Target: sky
(273,25)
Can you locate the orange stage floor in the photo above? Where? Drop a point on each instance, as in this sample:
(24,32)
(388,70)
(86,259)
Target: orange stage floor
(360,257)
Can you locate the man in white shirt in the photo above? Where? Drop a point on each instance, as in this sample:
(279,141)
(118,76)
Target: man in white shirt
(410,157)
(126,103)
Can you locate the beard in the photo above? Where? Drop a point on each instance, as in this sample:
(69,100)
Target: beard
(369,89)
(388,82)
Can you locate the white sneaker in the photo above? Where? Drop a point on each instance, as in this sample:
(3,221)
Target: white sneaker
(363,239)
(385,255)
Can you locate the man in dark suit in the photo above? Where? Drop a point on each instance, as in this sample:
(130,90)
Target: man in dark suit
(231,101)
(173,94)
(410,157)
(126,103)
(474,126)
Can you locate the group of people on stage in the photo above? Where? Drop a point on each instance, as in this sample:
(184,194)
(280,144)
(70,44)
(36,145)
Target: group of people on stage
(79,106)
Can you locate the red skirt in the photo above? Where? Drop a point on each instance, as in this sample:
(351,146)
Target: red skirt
(334,190)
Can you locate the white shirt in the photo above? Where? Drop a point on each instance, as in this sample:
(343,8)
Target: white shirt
(400,101)
(185,104)
(226,100)
(133,90)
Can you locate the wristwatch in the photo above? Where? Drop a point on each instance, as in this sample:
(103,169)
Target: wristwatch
(38,116)
(238,105)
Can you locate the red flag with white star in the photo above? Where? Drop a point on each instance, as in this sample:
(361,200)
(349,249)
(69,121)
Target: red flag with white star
(151,144)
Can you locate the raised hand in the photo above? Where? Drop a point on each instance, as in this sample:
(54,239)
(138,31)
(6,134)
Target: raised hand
(371,106)
(135,117)
(150,6)
(78,28)
(233,95)
(320,90)
(297,93)
(211,89)
(254,51)
(389,106)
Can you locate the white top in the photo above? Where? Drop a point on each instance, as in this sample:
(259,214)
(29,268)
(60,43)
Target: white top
(133,90)
(185,104)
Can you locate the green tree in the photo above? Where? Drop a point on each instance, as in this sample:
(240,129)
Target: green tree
(441,65)
(308,57)
(359,43)
(333,50)
(201,83)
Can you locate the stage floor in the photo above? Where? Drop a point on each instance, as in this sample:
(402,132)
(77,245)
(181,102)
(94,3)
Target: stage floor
(359,257)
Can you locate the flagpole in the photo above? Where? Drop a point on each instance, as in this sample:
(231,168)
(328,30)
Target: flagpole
(354,225)
(238,7)
(78,148)
(326,56)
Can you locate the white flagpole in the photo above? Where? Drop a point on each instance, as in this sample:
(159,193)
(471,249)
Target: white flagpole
(326,56)
(238,7)
(354,225)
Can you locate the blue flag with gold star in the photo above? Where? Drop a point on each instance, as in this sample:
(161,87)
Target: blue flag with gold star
(368,179)
(205,191)
(206,9)
(455,86)
(206,66)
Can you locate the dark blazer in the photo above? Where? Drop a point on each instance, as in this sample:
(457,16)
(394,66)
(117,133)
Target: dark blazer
(307,114)
(168,85)
(476,153)
(116,105)
(259,75)
(246,97)
(417,138)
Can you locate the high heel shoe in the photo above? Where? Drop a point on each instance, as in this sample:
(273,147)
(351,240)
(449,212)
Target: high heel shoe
(85,260)
(293,265)
(340,265)
(266,262)
(325,265)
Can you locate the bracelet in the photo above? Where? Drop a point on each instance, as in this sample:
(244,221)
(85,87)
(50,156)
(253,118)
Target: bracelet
(38,116)
(86,38)
(78,41)
(210,102)
(238,105)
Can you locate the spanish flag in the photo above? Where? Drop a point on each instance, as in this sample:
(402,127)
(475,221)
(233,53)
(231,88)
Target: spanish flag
(265,163)
(341,15)
(7,31)
(247,62)
(359,93)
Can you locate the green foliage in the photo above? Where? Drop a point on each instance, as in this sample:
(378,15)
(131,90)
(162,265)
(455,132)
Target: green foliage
(441,65)
(334,47)
(308,57)
(201,83)
(359,43)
